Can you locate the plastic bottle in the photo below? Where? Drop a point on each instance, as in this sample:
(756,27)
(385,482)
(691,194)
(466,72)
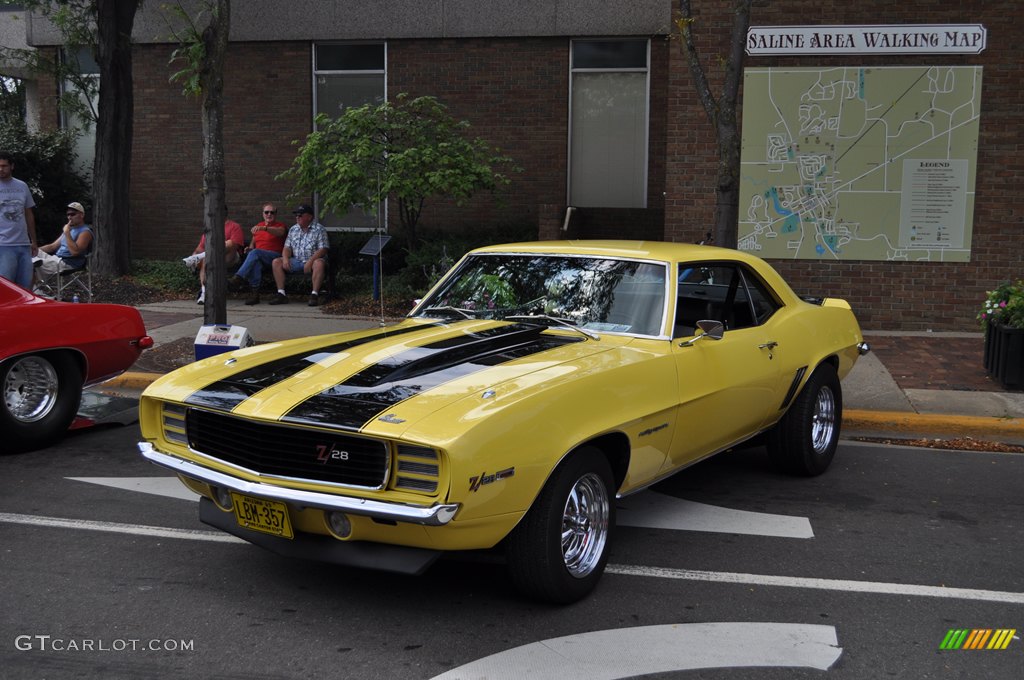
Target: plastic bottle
(76,298)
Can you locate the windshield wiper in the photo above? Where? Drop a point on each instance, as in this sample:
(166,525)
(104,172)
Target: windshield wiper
(558,321)
(456,311)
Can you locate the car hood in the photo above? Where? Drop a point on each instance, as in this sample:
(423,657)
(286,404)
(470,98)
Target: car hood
(355,380)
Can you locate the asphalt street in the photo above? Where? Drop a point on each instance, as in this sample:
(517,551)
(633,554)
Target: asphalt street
(726,570)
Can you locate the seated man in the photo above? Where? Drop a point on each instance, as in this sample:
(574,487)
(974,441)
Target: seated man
(267,243)
(68,251)
(234,242)
(305,252)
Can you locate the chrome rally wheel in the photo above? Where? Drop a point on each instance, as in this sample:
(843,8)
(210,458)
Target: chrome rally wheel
(823,422)
(585,525)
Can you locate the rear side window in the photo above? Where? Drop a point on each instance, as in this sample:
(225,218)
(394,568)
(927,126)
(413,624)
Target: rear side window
(720,292)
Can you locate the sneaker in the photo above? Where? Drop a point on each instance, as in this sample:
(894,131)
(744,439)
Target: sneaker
(314,300)
(201,299)
(253,299)
(279,299)
(192,261)
(237,283)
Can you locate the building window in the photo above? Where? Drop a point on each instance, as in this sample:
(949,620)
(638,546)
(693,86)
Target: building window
(347,75)
(608,103)
(80,60)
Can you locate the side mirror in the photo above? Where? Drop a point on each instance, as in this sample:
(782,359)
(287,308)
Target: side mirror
(709,329)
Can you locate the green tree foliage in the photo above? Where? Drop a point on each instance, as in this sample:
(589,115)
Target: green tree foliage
(408,150)
(47,162)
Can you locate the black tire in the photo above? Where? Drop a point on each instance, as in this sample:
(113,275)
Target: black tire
(804,441)
(39,396)
(559,550)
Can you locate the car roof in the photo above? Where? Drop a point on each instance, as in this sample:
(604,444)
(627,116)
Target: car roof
(649,250)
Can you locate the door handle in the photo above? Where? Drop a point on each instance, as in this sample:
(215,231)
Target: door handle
(770,345)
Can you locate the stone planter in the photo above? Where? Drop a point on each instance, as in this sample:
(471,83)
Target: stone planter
(1004,355)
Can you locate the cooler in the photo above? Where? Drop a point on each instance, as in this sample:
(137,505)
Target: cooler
(215,339)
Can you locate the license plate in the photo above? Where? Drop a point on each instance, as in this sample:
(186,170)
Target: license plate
(259,514)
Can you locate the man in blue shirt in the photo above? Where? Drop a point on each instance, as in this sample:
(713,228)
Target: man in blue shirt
(71,247)
(17,225)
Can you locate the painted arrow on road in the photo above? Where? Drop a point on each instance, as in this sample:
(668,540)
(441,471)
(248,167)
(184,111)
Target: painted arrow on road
(632,652)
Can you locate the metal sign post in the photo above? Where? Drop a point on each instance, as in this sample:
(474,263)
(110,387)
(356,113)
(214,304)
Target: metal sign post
(373,248)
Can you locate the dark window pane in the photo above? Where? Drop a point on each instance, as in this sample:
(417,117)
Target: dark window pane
(353,57)
(609,54)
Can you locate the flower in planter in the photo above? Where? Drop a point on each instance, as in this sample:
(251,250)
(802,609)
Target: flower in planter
(1004,305)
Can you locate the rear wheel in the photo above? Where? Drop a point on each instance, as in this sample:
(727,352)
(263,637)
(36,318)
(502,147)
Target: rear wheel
(41,394)
(558,551)
(804,441)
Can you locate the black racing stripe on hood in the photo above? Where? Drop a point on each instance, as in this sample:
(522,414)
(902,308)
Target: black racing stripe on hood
(228,393)
(358,399)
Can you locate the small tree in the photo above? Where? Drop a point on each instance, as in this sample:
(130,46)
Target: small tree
(722,114)
(203,50)
(408,150)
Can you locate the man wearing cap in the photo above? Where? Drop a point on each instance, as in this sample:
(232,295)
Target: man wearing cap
(305,252)
(17,225)
(71,247)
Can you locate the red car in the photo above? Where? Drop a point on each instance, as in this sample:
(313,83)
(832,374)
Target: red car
(48,351)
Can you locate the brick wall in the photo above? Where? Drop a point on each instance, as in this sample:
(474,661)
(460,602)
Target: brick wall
(903,295)
(268,103)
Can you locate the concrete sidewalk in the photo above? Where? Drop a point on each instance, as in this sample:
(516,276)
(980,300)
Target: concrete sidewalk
(953,397)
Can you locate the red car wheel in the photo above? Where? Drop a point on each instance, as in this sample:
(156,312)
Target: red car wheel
(41,393)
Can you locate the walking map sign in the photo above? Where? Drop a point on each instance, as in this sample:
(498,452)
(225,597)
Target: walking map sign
(859,163)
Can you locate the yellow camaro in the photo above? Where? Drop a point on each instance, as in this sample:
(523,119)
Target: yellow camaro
(530,387)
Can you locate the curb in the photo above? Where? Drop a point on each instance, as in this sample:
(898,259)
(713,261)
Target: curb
(910,422)
(132,380)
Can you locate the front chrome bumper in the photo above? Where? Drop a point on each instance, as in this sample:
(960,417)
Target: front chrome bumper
(435,515)
(863,348)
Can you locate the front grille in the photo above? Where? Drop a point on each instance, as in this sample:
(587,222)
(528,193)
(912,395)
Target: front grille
(283,451)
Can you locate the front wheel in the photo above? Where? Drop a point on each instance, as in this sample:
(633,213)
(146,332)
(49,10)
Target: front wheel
(41,394)
(558,551)
(804,442)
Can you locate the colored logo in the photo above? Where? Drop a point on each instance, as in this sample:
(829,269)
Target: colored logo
(978,638)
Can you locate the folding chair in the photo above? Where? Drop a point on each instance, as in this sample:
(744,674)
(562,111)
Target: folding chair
(77,281)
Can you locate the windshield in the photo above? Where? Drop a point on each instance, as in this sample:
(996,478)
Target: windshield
(596,293)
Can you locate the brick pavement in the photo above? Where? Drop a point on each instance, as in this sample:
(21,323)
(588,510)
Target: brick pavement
(937,363)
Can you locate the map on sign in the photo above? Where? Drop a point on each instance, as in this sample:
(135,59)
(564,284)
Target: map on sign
(856,163)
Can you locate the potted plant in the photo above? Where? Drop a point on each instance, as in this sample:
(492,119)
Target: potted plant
(1002,316)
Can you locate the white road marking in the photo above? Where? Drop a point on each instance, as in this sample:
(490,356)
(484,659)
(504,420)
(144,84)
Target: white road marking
(170,487)
(842,585)
(119,528)
(873,587)
(657,511)
(632,652)
(648,510)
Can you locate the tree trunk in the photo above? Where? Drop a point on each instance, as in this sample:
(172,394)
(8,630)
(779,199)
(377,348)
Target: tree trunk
(722,115)
(112,167)
(215,41)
